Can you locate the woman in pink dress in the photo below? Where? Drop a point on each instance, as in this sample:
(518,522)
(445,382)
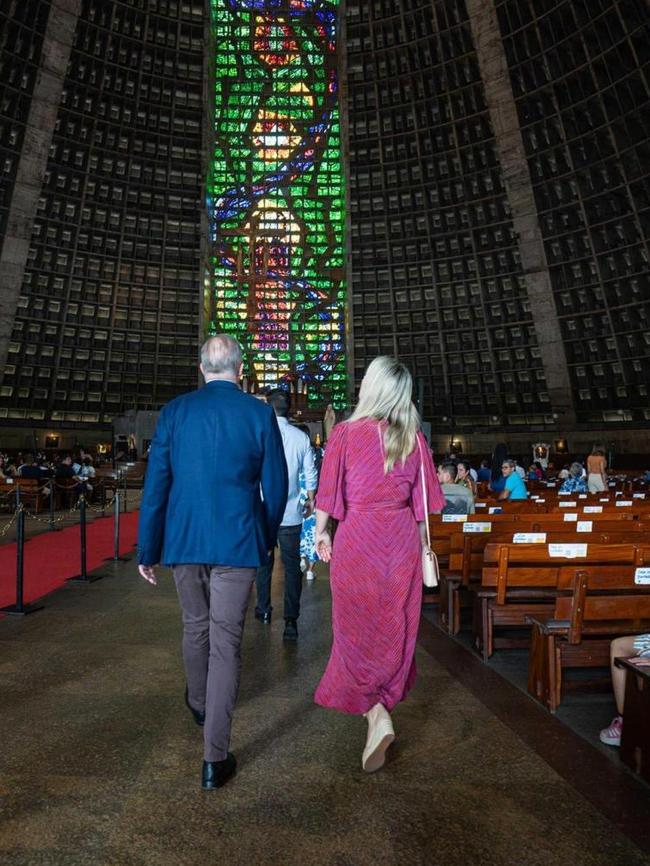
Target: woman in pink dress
(371,483)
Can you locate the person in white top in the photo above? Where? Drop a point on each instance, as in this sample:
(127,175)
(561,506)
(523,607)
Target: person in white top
(300,458)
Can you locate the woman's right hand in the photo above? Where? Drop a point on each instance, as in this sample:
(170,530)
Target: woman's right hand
(324,545)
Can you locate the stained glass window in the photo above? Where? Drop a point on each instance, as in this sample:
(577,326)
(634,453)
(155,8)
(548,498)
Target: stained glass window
(275,193)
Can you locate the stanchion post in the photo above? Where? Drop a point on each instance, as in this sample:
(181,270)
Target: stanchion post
(52,527)
(83,576)
(116,530)
(103,497)
(126,504)
(20,608)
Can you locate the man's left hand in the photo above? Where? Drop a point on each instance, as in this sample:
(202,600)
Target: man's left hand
(308,508)
(149,574)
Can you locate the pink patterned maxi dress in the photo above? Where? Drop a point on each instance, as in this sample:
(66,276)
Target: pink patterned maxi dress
(376,567)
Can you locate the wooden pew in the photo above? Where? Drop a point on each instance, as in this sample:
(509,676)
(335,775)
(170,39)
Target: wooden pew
(31,494)
(520,581)
(635,740)
(467,550)
(593,605)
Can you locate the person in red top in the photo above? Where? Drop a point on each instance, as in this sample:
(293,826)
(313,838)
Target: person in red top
(371,482)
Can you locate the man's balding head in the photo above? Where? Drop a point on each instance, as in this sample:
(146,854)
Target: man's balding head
(221,358)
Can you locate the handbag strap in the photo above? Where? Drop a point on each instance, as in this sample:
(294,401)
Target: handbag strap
(424,491)
(424,481)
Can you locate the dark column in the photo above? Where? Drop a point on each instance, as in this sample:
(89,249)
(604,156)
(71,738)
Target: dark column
(43,111)
(514,166)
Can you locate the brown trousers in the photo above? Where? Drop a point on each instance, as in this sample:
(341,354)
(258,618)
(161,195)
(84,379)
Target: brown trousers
(214,599)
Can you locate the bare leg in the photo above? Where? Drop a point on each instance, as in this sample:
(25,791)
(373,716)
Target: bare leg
(622,647)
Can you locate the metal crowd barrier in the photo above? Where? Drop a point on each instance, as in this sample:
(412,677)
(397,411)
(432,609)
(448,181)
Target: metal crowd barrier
(21,513)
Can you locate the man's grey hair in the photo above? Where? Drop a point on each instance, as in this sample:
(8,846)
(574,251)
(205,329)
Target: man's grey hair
(221,355)
(575,470)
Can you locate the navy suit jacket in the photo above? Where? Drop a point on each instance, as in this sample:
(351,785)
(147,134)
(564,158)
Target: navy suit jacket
(212,452)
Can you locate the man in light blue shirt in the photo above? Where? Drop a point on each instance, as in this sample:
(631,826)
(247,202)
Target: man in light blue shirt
(515,487)
(300,458)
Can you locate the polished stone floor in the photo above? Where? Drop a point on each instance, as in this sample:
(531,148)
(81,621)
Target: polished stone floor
(100,761)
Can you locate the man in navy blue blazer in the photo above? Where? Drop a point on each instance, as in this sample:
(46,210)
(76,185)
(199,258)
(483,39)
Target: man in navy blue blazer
(213,500)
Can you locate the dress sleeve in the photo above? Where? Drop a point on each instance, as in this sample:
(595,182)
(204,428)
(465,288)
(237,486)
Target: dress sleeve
(332,477)
(435,497)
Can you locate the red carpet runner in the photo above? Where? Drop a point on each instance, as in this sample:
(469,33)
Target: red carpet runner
(52,557)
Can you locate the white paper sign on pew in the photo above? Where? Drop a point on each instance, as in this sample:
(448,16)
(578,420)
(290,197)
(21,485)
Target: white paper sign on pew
(582,496)
(551,484)
(540,500)
(571,517)
(454,518)
(642,576)
(606,499)
(480,505)
(495,510)
(593,509)
(571,504)
(567,551)
(624,503)
(477,527)
(529,538)
(638,496)
(584,526)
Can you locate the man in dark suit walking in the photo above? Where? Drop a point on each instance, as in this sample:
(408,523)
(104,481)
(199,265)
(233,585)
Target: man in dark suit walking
(213,500)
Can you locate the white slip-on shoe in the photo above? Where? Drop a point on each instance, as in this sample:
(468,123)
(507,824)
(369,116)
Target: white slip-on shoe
(310,574)
(380,735)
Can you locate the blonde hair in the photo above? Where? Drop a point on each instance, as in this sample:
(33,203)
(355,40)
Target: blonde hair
(385,395)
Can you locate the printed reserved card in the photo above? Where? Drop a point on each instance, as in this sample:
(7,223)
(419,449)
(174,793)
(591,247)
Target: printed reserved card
(477,527)
(529,538)
(567,551)
(642,576)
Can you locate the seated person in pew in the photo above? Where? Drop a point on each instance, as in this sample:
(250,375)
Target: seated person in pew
(464,476)
(484,473)
(535,472)
(622,647)
(576,482)
(497,481)
(30,469)
(515,487)
(458,499)
(519,469)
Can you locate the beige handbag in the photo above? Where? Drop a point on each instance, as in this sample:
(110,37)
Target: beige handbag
(430,570)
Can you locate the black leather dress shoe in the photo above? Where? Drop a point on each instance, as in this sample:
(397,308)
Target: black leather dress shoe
(290,630)
(217,773)
(199,717)
(263,617)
